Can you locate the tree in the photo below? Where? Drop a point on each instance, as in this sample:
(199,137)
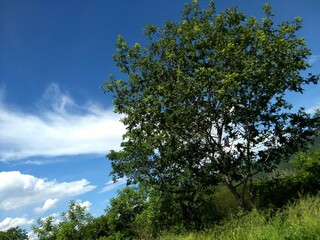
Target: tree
(73,222)
(96,229)
(205,100)
(14,234)
(45,228)
(122,213)
(176,212)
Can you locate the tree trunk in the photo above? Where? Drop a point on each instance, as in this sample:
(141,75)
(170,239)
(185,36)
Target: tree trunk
(239,197)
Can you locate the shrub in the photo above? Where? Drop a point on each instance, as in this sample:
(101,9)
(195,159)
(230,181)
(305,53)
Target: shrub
(305,180)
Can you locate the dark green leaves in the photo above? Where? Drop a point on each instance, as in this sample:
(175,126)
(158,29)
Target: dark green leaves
(205,99)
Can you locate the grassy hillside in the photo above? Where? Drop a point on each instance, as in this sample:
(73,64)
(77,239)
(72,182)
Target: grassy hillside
(297,221)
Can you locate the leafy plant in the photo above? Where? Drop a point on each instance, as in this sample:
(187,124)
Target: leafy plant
(15,233)
(204,101)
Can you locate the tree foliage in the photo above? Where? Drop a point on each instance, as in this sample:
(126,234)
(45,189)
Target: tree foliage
(304,179)
(143,213)
(205,99)
(123,210)
(45,228)
(72,225)
(15,233)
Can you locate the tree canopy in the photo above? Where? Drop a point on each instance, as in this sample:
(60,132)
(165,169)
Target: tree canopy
(73,225)
(15,233)
(204,100)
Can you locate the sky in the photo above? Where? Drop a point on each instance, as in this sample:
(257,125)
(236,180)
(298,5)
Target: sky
(56,124)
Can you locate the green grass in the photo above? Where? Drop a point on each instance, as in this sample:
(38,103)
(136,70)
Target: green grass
(297,221)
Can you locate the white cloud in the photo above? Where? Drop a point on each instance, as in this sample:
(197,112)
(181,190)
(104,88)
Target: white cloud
(56,219)
(41,162)
(62,128)
(85,204)
(8,223)
(313,59)
(20,190)
(112,185)
(48,204)
(313,109)
(32,236)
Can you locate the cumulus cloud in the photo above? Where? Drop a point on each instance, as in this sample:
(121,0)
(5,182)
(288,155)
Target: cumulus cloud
(8,223)
(112,185)
(20,190)
(56,218)
(63,127)
(48,204)
(32,236)
(85,204)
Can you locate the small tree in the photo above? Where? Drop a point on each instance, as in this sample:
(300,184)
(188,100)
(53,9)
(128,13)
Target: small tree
(122,212)
(205,100)
(73,221)
(45,228)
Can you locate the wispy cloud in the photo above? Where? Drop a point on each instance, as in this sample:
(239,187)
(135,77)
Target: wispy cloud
(63,127)
(313,109)
(8,223)
(21,190)
(48,204)
(41,162)
(313,59)
(112,185)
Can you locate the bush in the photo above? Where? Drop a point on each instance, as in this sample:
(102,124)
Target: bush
(305,180)
(296,221)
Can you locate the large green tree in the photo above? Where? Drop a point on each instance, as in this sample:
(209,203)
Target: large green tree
(205,100)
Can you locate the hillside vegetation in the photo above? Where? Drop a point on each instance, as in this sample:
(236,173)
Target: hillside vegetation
(286,206)
(300,220)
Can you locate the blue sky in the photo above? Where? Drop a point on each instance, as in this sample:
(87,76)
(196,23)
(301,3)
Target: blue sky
(56,125)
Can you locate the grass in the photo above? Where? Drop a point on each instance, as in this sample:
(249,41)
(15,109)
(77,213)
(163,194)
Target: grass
(297,221)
